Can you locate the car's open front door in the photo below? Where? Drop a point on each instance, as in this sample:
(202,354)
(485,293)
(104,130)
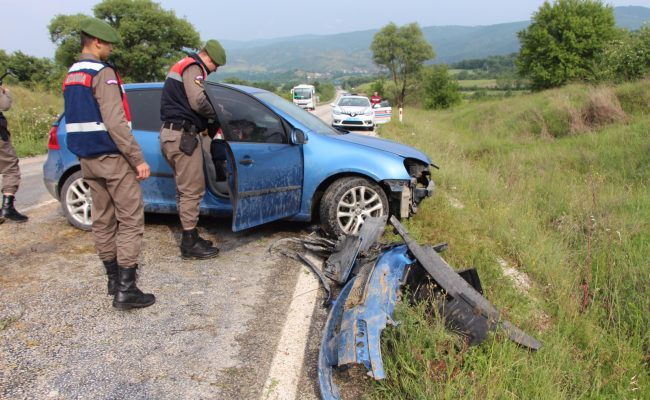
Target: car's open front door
(265,171)
(266,182)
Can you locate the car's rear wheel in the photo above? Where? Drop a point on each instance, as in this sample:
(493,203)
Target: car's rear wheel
(76,201)
(348,202)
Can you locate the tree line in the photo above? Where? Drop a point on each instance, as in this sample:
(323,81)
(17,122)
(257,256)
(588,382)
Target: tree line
(567,41)
(151,40)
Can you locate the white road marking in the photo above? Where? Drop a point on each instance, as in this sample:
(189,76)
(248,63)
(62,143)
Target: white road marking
(284,374)
(32,160)
(39,205)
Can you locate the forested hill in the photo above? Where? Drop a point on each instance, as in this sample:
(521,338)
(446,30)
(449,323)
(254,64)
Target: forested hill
(351,51)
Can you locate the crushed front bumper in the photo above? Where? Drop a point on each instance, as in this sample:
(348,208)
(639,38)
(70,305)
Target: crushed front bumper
(405,196)
(365,305)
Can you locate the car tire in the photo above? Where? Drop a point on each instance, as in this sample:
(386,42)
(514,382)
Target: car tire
(348,202)
(76,201)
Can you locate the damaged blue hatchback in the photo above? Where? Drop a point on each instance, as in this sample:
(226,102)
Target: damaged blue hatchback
(273,161)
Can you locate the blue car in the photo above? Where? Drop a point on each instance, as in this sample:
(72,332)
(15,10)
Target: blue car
(271,160)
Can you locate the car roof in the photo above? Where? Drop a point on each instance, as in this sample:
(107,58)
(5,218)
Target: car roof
(352,96)
(148,85)
(159,85)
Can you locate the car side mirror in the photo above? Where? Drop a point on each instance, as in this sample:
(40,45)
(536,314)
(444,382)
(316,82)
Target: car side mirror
(298,137)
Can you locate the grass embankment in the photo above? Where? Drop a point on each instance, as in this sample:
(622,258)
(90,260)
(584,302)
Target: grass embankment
(554,185)
(30,118)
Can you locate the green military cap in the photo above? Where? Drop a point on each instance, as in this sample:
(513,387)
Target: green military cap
(99,29)
(216,52)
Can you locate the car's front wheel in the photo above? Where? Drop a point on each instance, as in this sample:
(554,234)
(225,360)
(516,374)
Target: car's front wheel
(348,202)
(76,201)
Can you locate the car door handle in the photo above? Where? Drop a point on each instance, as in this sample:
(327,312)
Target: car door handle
(246,161)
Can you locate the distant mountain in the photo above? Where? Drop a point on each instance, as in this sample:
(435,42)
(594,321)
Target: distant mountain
(350,52)
(457,43)
(632,17)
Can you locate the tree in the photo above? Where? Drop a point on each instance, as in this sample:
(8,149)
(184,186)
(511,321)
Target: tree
(402,50)
(440,90)
(627,57)
(325,91)
(31,71)
(564,42)
(151,39)
(64,32)
(379,86)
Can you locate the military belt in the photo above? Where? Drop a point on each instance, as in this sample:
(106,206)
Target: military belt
(180,126)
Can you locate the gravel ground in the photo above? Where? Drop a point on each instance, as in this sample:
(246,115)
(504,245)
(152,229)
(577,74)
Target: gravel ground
(211,334)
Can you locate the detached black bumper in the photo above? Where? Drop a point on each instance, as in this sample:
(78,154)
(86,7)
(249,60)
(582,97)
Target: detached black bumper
(405,196)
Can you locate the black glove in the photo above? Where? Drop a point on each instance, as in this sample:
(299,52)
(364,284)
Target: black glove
(4,132)
(213,127)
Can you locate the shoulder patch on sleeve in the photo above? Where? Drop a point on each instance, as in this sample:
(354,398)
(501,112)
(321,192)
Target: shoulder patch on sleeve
(198,81)
(111,82)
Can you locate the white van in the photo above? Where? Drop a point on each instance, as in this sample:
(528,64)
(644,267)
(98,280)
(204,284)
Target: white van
(304,96)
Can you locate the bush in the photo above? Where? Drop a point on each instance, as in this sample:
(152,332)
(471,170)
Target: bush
(627,57)
(31,117)
(564,41)
(325,91)
(440,91)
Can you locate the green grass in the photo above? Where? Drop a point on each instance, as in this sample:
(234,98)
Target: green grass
(30,118)
(557,184)
(478,83)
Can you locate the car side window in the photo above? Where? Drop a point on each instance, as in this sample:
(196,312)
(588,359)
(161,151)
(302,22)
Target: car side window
(244,119)
(145,109)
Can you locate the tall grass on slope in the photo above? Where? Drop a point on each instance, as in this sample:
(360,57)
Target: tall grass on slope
(30,118)
(554,189)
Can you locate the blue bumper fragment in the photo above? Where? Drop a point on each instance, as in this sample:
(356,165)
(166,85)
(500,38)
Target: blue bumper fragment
(366,303)
(363,309)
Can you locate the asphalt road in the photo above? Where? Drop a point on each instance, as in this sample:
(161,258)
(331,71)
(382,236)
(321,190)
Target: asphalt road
(246,325)
(32,192)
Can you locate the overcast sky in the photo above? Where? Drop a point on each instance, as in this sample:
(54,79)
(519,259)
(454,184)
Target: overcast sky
(24,22)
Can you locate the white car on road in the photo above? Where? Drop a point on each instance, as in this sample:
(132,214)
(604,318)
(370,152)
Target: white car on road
(353,112)
(383,112)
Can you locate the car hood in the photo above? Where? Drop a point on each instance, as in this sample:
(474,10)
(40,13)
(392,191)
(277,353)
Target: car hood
(385,145)
(352,109)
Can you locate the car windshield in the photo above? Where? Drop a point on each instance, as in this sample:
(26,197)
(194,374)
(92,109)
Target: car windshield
(309,121)
(354,102)
(302,93)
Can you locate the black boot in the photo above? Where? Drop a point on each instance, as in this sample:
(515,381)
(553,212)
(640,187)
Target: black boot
(111,273)
(127,294)
(206,242)
(193,247)
(9,211)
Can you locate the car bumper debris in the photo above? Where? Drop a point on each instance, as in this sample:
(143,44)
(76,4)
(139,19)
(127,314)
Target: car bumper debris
(407,195)
(372,279)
